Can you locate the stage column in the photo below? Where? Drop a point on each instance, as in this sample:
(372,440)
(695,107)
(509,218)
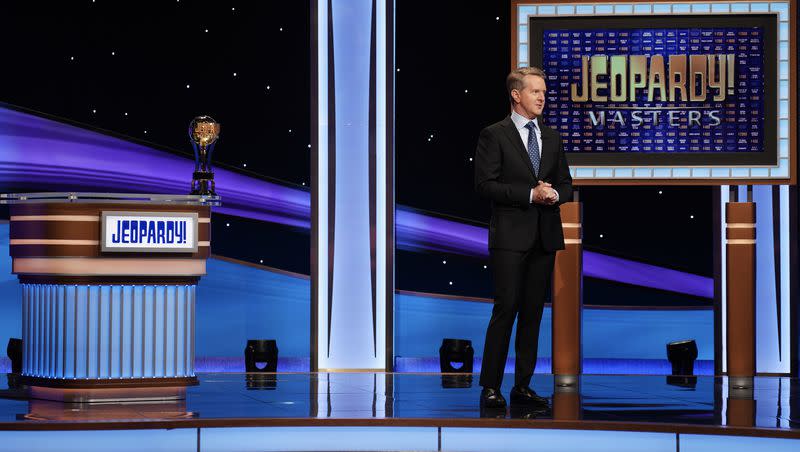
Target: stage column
(741,407)
(352,185)
(567,298)
(567,401)
(740,218)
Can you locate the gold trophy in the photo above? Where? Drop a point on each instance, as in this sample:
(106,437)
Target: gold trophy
(203,131)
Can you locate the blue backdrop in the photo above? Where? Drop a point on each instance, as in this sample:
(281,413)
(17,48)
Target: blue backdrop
(236,302)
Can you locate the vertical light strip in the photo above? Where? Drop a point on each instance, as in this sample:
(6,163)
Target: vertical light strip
(320,187)
(766,315)
(351,316)
(26,339)
(350,191)
(380,179)
(785,281)
(724,197)
(769,357)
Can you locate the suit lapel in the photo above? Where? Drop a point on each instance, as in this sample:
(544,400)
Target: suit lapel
(513,135)
(549,144)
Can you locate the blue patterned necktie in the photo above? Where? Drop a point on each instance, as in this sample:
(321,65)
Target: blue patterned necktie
(533,147)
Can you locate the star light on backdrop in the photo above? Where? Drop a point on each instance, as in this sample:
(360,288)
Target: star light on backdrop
(258,84)
(149,50)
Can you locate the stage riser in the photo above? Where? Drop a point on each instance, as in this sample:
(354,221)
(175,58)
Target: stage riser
(108,331)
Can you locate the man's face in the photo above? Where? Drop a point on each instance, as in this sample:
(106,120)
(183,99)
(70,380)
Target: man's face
(530,99)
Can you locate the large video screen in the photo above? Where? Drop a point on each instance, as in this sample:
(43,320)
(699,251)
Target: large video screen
(661,90)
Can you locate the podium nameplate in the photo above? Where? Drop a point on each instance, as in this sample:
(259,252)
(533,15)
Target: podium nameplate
(149,232)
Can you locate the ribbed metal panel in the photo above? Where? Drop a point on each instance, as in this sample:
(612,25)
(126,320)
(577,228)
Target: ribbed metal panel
(109,331)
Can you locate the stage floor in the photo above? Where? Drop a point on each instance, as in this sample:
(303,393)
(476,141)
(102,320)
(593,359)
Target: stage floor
(436,403)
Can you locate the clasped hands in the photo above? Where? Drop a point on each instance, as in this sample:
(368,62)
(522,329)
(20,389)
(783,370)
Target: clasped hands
(543,193)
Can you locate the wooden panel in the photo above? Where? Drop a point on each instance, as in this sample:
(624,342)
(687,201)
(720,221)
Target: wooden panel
(567,296)
(741,412)
(18,251)
(109,280)
(740,212)
(740,233)
(63,208)
(102,266)
(741,292)
(86,383)
(566,405)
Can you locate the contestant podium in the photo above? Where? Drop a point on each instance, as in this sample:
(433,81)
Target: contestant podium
(108,292)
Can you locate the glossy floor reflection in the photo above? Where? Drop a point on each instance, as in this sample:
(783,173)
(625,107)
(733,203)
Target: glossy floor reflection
(774,402)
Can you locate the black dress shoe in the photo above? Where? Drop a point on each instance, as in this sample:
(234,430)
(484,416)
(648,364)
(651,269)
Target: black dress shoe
(520,411)
(526,396)
(491,398)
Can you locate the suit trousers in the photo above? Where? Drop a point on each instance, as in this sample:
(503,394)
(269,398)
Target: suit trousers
(521,283)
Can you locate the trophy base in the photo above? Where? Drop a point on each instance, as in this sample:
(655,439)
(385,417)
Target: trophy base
(111,390)
(203,186)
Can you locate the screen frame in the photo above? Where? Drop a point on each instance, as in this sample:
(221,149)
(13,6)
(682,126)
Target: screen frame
(769,21)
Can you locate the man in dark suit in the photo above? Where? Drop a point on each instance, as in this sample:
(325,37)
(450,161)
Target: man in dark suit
(521,168)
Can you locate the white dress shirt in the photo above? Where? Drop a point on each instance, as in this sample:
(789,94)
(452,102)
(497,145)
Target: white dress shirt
(520,122)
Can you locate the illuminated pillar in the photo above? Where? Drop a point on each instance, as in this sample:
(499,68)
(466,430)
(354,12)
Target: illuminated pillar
(352,200)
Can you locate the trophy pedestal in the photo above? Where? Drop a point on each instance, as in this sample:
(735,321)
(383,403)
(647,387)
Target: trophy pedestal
(107,320)
(203,183)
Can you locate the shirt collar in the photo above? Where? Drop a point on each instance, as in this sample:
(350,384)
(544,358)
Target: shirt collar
(520,121)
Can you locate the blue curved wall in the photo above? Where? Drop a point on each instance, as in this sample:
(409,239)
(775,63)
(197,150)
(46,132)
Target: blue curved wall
(236,302)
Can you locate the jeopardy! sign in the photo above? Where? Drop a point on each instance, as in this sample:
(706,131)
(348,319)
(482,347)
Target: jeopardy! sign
(658,86)
(149,232)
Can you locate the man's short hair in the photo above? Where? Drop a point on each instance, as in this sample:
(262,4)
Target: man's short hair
(516,79)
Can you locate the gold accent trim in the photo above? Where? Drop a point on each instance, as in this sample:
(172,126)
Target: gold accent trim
(204,220)
(741,225)
(109,266)
(570,225)
(52,242)
(204,243)
(740,242)
(55,218)
(573,241)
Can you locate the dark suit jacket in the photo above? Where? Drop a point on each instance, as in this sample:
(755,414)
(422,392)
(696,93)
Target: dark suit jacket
(504,175)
